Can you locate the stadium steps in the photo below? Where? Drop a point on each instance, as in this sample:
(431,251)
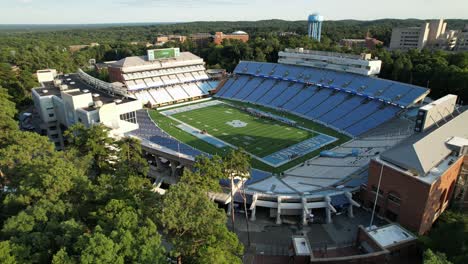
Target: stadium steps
(241,87)
(292,90)
(170,95)
(348,112)
(253,90)
(248,88)
(265,92)
(187,93)
(332,107)
(307,99)
(317,100)
(279,95)
(226,86)
(239,83)
(326,104)
(297,93)
(272,93)
(152,97)
(368,114)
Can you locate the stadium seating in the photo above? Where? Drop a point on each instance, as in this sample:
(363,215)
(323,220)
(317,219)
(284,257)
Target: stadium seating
(348,102)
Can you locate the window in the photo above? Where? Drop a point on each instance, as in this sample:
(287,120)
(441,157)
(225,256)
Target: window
(129,117)
(391,216)
(51,115)
(394,197)
(374,189)
(53,128)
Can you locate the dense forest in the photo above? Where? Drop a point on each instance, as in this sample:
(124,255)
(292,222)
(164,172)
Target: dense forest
(23,51)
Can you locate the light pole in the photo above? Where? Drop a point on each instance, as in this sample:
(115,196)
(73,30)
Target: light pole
(376,197)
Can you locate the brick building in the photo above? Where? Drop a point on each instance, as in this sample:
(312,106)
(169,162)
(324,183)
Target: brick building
(368,43)
(417,179)
(220,36)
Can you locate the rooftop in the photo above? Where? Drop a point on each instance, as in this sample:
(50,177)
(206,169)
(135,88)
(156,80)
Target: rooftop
(76,86)
(136,63)
(424,151)
(390,234)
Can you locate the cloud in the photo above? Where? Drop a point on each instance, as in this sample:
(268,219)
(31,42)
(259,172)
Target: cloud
(24,1)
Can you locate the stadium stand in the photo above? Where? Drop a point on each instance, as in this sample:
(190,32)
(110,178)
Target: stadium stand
(350,103)
(163,81)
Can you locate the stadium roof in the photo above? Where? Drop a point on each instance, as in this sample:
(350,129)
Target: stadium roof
(137,63)
(424,151)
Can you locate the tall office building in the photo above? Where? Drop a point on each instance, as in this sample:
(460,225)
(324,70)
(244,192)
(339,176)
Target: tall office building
(315,26)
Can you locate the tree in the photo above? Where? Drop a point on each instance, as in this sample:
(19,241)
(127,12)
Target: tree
(435,258)
(196,227)
(449,236)
(236,165)
(95,143)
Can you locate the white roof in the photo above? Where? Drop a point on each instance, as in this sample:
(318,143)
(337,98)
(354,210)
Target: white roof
(239,32)
(301,246)
(140,63)
(390,234)
(423,151)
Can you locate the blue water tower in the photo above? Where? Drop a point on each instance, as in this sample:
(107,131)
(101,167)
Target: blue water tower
(315,26)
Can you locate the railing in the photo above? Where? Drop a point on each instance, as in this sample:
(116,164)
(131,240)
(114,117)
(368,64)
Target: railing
(102,85)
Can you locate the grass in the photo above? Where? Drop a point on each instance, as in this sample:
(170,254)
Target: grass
(169,126)
(260,137)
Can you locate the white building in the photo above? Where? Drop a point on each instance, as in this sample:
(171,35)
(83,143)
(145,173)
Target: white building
(360,64)
(430,34)
(462,40)
(79,98)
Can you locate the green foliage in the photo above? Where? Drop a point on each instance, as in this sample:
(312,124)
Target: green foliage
(51,211)
(449,236)
(435,258)
(197,228)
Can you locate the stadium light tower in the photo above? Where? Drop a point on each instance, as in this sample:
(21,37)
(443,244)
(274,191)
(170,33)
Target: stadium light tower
(315,26)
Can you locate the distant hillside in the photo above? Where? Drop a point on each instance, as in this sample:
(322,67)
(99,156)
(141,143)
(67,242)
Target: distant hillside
(333,30)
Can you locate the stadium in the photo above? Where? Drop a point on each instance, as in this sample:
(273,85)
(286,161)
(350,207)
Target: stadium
(311,129)
(323,132)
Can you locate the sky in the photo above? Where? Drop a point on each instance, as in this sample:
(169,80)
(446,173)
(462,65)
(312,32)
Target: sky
(123,11)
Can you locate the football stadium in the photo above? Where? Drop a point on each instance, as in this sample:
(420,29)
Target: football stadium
(311,130)
(311,122)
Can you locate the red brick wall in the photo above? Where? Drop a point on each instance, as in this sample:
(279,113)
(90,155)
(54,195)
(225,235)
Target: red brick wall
(219,37)
(419,201)
(115,75)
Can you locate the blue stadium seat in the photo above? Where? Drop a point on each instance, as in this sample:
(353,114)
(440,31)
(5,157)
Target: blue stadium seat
(249,87)
(357,114)
(288,93)
(328,105)
(262,89)
(342,109)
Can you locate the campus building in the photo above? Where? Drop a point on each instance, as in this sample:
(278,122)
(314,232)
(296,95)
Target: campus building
(430,34)
(368,43)
(239,35)
(360,64)
(64,100)
(414,181)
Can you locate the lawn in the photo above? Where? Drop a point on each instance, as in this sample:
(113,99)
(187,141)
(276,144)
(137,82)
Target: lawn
(257,136)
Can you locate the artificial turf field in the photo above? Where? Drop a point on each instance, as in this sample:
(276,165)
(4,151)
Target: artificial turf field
(170,126)
(259,137)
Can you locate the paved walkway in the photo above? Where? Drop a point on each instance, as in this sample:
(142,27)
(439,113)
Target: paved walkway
(269,239)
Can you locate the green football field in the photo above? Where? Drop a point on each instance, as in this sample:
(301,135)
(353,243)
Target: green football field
(258,136)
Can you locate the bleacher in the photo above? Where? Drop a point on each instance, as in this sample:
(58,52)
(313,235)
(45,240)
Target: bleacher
(350,103)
